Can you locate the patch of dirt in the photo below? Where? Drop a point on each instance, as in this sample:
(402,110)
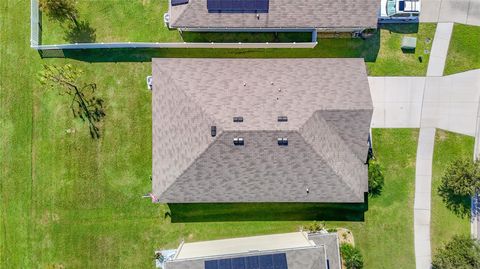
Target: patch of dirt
(48,217)
(441,135)
(345,236)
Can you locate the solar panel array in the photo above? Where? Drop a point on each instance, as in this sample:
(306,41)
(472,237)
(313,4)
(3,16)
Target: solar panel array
(238,6)
(271,261)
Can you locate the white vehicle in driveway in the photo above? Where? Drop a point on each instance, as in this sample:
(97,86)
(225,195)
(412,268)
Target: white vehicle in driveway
(396,11)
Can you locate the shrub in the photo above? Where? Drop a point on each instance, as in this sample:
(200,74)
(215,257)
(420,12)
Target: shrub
(375,178)
(459,182)
(315,227)
(460,252)
(462,177)
(352,257)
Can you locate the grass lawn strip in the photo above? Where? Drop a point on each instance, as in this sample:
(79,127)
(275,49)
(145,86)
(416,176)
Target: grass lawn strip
(444,223)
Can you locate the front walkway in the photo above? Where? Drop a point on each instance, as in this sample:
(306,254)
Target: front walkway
(422,204)
(438,55)
(463,11)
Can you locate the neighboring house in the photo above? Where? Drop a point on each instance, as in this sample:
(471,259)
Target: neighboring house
(279,251)
(260,130)
(273,15)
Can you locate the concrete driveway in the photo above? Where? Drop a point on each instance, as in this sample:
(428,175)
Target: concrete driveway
(449,103)
(461,11)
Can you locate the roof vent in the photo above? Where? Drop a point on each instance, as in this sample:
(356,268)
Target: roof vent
(282,141)
(282,118)
(238,141)
(213,130)
(237,119)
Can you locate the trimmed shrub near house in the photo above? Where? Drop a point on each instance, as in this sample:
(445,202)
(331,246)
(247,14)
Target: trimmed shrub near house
(375,178)
(352,257)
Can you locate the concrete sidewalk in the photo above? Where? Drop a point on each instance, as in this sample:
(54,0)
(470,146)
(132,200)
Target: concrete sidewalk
(422,204)
(460,11)
(438,54)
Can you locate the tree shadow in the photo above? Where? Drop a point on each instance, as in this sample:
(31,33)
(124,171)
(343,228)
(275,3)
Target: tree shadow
(460,205)
(80,32)
(213,212)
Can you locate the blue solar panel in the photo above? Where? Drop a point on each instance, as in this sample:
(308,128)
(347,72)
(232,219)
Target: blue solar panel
(211,264)
(252,262)
(238,263)
(279,261)
(225,264)
(265,261)
(237,6)
(179,2)
(275,261)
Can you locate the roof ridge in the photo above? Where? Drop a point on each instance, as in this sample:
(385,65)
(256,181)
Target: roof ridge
(207,115)
(327,160)
(184,8)
(335,172)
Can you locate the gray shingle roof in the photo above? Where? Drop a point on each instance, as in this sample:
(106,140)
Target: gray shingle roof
(282,14)
(329,108)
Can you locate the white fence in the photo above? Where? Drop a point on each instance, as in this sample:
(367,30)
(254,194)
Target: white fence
(35,24)
(36,35)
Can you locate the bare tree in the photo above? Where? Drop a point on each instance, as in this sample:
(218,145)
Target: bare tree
(84,104)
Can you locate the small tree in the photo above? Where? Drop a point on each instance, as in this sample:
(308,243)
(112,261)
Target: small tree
(60,10)
(376,180)
(462,177)
(460,181)
(460,252)
(84,104)
(352,257)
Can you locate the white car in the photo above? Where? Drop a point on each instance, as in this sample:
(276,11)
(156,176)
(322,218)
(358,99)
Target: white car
(399,11)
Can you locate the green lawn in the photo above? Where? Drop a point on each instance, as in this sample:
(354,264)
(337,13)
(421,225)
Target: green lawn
(444,223)
(381,52)
(142,21)
(463,53)
(117,21)
(67,201)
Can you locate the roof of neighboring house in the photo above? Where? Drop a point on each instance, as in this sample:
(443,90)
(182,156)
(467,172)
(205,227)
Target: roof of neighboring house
(281,14)
(300,250)
(329,108)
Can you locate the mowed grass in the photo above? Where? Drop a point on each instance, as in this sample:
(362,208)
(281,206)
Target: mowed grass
(444,223)
(117,21)
(142,21)
(463,52)
(392,61)
(67,201)
(381,52)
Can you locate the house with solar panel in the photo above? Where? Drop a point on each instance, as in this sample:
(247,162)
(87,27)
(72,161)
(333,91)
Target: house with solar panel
(279,251)
(272,15)
(260,130)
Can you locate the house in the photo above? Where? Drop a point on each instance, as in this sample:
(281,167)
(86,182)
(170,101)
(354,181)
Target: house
(260,130)
(273,15)
(297,250)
